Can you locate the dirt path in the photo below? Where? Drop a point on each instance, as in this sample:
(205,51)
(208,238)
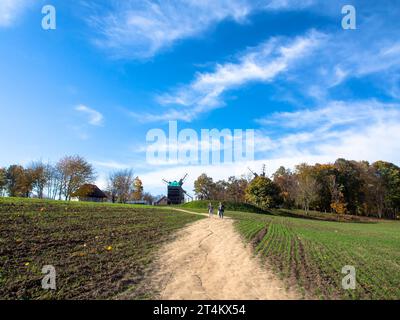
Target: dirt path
(208,260)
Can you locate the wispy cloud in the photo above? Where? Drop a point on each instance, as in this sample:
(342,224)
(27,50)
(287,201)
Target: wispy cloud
(141,29)
(333,114)
(11,9)
(358,130)
(260,64)
(341,129)
(288,4)
(370,54)
(95,118)
(111,165)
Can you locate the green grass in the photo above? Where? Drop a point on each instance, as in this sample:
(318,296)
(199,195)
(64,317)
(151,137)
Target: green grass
(294,213)
(232,206)
(74,237)
(310,254)
(99,250)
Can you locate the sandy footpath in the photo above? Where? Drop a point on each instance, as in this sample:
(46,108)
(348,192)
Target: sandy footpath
(208,260)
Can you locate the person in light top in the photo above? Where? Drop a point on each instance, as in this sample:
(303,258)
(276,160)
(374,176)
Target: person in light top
(210,209)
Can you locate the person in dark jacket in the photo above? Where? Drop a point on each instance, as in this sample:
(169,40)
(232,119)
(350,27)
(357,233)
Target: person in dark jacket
(221,209)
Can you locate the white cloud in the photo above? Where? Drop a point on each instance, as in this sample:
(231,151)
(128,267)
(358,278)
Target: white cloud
(288,4)
(359,130)
(95,118)
(111,165)
(333,114)
(354,130)
(370,53)
(10,10)
(260,64)
(141,29)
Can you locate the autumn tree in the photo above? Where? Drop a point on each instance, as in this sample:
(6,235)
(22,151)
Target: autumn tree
(286,182)
(120,185)
(137,189)
(74,171)
(236,189)
(19,181)
(219,191)
(149,198)
(338,204)
(39,176)
(306,190)
(204,187)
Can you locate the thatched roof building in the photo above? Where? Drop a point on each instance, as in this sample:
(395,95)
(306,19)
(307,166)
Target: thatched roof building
(90,192)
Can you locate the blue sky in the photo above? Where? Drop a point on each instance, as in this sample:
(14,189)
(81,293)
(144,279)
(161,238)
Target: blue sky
(113,70)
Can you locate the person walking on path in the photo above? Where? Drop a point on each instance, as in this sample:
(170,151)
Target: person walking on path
(210,209)
(221,209)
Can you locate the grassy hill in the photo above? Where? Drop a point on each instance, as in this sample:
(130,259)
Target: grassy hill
(202,206)
(231,206)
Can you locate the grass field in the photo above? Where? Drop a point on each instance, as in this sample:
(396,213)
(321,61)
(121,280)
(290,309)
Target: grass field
(311,254)
(103,250)
(98,250)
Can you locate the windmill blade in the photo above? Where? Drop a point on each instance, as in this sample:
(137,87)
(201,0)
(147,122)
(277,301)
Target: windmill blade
(255,174)
(183,179)
(167,182)
(185,192)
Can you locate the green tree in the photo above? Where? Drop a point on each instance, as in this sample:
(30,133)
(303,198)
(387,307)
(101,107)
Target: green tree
(263,193)
(349,176)
(390,178)
(373,191)
(324,174)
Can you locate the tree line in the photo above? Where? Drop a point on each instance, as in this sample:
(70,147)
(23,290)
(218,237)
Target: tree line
(61,180)
(344,187)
